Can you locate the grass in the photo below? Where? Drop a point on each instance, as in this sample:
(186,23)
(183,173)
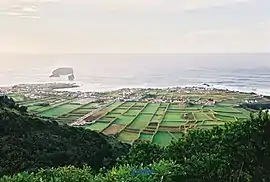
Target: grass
(97,126)
(161,111)
(113,115)
(224,109)
(177,135)
(83,110)
(151,108)
(144,136)
(123,120)
(238,115)
(33,108)
(128,136)
(119,110)
(224,118)
(195,107)
(172,123)
(106,119)
(162,138)
(141,121)
(60,110)
(174,106)
(199,116)
(173,117)
(132,112)
(157,118)
(213,123)
(127,104)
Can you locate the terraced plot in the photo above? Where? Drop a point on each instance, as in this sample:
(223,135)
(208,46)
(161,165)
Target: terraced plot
(141,121)
(146,137)
(200,116)
(98,126)
(172,123)
(60,110)
(131,121)
(126,120)
(151,108)
(132,112)
(173,117)
(123,120)
(128,136)
(162,138)
(224,118)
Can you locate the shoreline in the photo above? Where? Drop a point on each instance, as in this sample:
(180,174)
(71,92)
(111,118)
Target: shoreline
(259,91)
(85,87)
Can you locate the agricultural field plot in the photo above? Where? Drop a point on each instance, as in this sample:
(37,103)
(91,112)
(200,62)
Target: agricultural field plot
(173,116)
(161,118)
(119,111)
(214,123)
(200,116)
(151,108)
(163,138)
(194,106)
(146,137)
(157,118)
(60,110)
(224,117)
(113,129)
(172,123)
(123,120)
(130,121)
(98,126)
(128,137)
(141,121)
(174,107)
(132,112)
(128,104)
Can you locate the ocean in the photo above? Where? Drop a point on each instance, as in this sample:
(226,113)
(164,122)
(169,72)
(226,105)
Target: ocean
(102,72)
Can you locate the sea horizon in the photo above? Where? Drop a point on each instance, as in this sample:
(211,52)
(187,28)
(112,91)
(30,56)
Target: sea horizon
(246,72)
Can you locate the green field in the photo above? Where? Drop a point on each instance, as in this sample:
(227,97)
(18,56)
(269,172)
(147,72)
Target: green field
(157,122)
(162,138)
(58,111)
(98,126)
(134,117)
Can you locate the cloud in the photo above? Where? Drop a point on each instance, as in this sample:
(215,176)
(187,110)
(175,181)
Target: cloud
(29,9)
(23,8)
(160,5)
(29,17)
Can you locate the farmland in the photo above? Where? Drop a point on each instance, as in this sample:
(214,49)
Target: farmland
(156,115)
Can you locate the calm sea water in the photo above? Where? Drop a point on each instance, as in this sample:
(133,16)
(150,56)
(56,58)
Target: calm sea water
(100,72)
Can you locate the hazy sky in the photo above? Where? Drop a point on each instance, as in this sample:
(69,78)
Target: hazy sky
(134,26)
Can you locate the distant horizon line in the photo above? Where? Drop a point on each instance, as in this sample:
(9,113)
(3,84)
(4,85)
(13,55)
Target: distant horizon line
(108,53)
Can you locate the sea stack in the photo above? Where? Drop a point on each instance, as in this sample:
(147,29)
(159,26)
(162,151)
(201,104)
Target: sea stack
(63,72)
(71,77)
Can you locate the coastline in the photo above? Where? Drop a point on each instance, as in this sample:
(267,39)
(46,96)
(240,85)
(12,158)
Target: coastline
(81,87)
(259,91)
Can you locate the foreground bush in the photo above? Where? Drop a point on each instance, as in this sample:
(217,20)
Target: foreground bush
(28,143)
(163,170)
(239,151)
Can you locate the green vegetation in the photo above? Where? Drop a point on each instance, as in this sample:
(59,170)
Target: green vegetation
(28,142)
(237,151)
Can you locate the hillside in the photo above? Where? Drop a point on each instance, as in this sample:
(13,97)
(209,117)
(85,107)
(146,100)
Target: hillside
(28,142)
(238,151)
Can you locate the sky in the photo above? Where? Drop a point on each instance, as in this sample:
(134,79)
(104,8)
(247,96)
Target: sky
(134,26)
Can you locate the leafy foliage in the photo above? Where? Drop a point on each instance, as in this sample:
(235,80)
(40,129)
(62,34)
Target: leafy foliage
(28,143)
(143,153)
(238,151)
(120,173)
